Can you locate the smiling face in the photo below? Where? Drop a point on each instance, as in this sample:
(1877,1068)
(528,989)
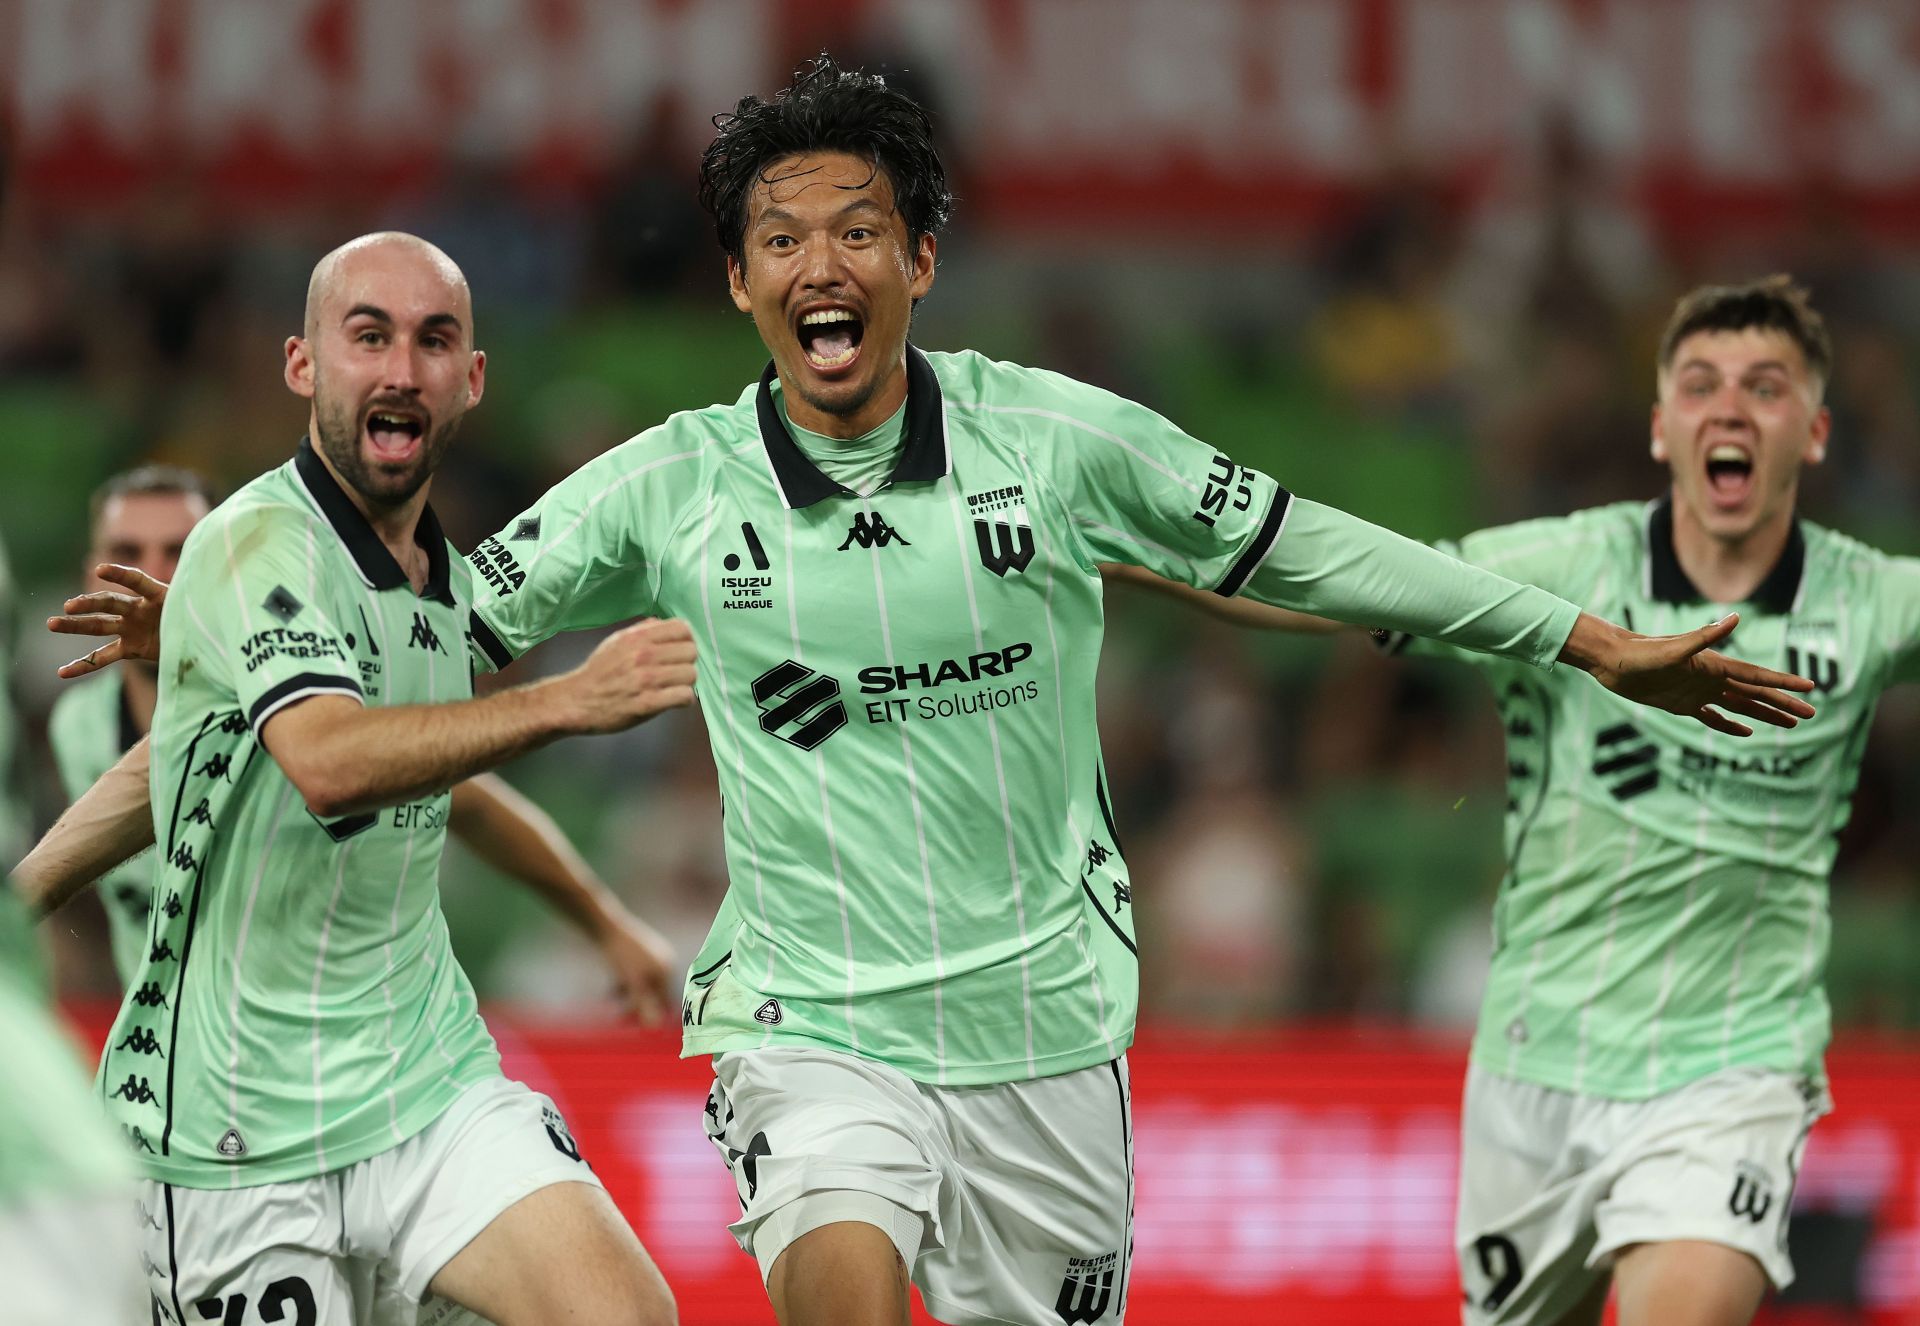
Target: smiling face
(830,275)
(1739,413)
(389,364)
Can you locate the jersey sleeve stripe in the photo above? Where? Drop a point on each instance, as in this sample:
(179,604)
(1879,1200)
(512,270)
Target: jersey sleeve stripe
(297,688)
(1085,427)
(490,644)
(1256,550)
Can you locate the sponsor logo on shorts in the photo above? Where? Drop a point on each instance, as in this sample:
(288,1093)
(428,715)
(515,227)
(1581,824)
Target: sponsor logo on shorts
(1087,1290)
(558,1133)
(1752,1194)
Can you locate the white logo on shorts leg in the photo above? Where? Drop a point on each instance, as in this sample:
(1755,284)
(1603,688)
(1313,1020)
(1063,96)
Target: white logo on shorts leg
(768,1013)
(231,1145)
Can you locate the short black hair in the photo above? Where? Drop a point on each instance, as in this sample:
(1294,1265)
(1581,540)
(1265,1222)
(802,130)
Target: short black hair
(1773,303)
(143,480)
(825,109)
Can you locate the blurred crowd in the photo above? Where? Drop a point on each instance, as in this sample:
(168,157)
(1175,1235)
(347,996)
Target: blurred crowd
(1314,832)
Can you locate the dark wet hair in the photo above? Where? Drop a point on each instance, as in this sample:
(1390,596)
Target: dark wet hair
(144,480)
(826,109)
(1773,303)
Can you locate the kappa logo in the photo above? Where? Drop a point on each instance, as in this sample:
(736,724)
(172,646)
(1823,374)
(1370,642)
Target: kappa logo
(1005,545)
(1087,1290)
(798,705)
(1622,753)
(135,1089)
(768,1013)
(871,530)
(141,1040)
(283,604)
(424,636)
(231,1144)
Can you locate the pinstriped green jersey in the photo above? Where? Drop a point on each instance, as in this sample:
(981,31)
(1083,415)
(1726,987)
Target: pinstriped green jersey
(899,689)
(298,1007)
(1664,913)
(89,729)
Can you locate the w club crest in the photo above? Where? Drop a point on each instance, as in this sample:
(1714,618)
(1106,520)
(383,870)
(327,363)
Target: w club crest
(1087,1290)
(1004,545)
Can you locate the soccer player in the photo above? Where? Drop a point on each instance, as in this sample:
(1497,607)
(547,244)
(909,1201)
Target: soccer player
(1648,1061)
(921,985)
(141,519)
(299,1064)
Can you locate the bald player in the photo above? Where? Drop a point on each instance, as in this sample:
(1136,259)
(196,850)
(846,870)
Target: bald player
(299,1065)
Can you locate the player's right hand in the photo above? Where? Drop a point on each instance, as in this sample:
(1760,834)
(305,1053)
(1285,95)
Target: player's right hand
(132,619)
(633,674)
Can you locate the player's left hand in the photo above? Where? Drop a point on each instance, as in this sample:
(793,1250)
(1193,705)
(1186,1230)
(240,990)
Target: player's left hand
(132,619)
(642,965)
(1684,675)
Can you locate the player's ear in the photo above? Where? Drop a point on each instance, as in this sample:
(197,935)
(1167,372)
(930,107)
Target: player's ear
(476,378)
(1817,437)
(923,264)
(299,367)
(737,285)
(1657,444)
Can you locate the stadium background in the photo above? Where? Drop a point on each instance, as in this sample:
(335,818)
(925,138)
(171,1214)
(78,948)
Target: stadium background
(1409,256)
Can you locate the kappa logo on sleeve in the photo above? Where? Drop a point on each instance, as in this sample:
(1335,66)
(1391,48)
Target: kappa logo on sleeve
(283,604)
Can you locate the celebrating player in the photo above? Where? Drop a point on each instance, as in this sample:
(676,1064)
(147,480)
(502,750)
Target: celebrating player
(1648,1060)
(299,1063)
(921,985)
(141,519)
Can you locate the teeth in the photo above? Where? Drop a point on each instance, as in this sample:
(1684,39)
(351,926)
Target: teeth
(833,361)
(1726,451)
(827,315)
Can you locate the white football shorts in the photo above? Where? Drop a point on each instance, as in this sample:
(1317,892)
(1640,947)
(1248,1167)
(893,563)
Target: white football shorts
(1553,1185)
(1008,1203)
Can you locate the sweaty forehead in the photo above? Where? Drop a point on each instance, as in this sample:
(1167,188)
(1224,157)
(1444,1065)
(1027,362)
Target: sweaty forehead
(827,181)
(402,280)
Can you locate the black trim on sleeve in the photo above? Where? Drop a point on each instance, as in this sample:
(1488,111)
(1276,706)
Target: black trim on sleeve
(1251,556)
(276,696)
(490,644)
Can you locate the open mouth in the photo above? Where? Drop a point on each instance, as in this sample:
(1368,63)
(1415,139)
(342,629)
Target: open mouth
(830,338)
(393,435)
(1729,473)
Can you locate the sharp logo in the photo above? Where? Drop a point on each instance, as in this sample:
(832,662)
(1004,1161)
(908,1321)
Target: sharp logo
(798,705)
(870,530)
(1004,545)
(882,677)
(1627,761)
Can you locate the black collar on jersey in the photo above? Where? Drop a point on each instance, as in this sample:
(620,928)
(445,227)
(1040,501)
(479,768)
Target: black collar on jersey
(377,566)
(923,459)
(1668,583)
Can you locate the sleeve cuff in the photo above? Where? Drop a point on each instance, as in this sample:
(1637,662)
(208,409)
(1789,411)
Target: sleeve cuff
(294,689)
(490,645)
(1259,546)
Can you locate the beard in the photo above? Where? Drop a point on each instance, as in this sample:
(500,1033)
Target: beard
(384,485)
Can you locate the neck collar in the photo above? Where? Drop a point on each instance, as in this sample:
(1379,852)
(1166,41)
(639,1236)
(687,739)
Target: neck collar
(1668,582)
(924,458)
(377,566)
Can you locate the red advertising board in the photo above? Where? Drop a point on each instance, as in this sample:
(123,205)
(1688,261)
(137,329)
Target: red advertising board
(1142,114)
(1301,1177)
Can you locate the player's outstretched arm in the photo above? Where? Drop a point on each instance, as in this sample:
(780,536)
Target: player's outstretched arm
(346,759)
(111,822)
(132,619)
(1237,611)
(517,838)
(1684,675)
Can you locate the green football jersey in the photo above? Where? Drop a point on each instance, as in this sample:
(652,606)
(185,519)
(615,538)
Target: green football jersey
(1664,911)
(899,690)
(89,729)
(52,1138)
(298,1008)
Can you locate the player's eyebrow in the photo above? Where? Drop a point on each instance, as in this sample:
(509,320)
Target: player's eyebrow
(780,216)
(433,321)
(373,311)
